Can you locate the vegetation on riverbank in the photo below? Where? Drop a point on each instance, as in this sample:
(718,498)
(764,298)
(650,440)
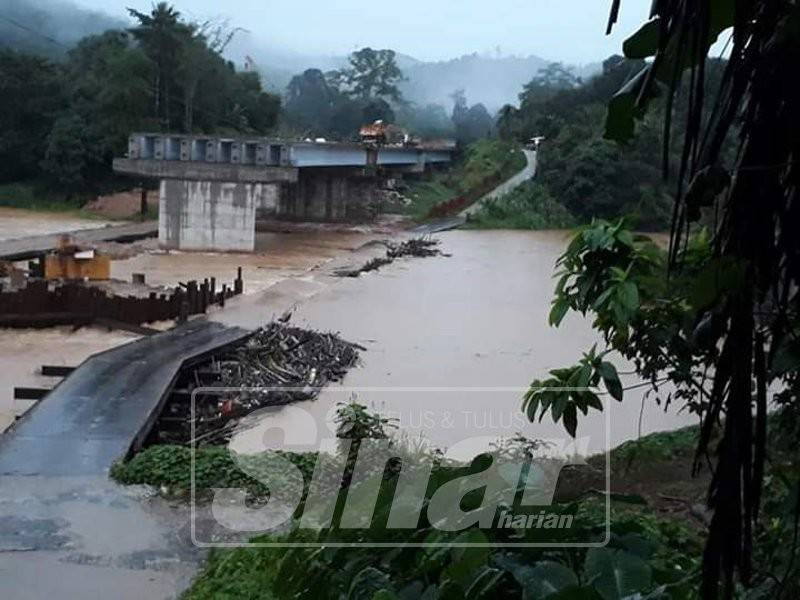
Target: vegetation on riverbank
(581,175)
(657,528)
(34,196)
(645,554)
(649,547)
(483,164)
(530,206)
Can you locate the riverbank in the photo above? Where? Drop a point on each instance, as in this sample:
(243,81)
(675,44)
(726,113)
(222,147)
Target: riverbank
(655,533)
(476,319)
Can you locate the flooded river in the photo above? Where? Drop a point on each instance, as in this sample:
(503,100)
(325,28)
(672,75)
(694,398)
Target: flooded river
(17,222)
(452,342)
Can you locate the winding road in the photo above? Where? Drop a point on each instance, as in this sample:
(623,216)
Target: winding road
(529,172)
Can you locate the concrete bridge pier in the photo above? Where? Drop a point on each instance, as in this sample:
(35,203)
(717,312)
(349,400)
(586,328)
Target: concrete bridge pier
(332,195)
(208,215)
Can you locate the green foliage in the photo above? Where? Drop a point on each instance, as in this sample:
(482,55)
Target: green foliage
(488,159)
(426,194)
(355,421)
(338,103)
(471,123)
(35,196)
(568,390)
(430,121)
(371,74)
(310,101)
(171,467)
(658,447)
(611,272)
(63,123)
(530,206)
(590,175)
(644,316)
(483,165)
(234,574)
(645,554)
(31,96)
(630,102)
(71,155)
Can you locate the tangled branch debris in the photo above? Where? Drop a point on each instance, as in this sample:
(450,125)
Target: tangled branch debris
(294,364)
(418,247)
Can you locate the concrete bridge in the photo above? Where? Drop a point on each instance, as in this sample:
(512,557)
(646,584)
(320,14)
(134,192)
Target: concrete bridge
(213,187)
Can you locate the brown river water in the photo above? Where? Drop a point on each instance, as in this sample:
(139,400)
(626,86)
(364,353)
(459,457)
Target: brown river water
(452,342)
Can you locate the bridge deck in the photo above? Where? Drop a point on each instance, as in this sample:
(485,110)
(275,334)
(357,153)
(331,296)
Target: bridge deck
(106,405)
(247,159)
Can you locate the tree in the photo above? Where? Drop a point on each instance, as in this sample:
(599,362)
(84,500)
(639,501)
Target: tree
(471,123)
(200,57)
(429,121)
(508,118)
(555,77)
(718,315)
(162,36)
(310,101)
(71,155)
(260,109)
(30,99)
(378,110)
(372,74)
(107,84)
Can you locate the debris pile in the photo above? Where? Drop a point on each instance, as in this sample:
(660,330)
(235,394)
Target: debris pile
(298,362)
(418,247)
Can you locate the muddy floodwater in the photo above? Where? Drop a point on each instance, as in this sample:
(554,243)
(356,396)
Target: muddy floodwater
(24,351)
(17,223)
(452,342)
(276,257)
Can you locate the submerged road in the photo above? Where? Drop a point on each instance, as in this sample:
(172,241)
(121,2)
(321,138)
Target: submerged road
(89,421)
(30,247)
(66,529)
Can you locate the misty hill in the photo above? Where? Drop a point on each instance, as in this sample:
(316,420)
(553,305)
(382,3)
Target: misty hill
(49,27)
(491,80)
(494,81)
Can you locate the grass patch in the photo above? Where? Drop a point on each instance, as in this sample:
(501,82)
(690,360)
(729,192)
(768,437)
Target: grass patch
(658,447)
(483,164)
(170,466)
(530,206)
(32,195)
(239,573)
(424,195)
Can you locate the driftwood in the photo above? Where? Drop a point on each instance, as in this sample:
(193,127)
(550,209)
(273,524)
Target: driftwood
(418,247)
(277,365)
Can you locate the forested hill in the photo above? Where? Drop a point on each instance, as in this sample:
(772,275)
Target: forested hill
(489,80)
(49,27)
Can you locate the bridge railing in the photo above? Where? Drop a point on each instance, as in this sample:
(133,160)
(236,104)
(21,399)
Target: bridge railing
(272,153)
(259,152)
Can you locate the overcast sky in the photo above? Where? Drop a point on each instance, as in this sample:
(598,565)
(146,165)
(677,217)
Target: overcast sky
(567,30)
